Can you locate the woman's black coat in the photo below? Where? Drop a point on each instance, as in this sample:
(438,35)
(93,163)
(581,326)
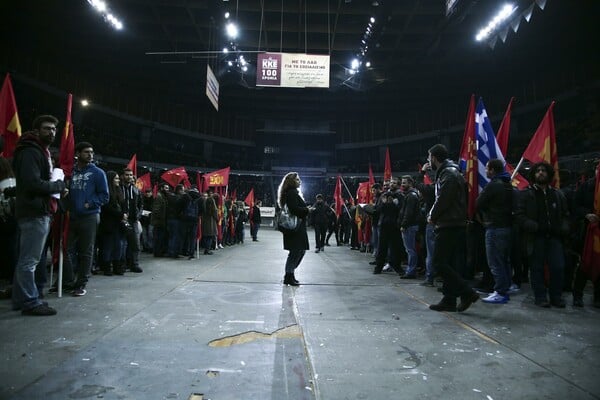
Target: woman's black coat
(297,240)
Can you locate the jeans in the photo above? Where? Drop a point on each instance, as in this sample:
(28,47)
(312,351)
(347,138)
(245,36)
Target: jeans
(254,227)
(132,253)
(33,234)
(375,240)
(320,232)
(80,253)
(547,251)
(174,234)
(111,248)
(409,237)
(430,245)
(147,237)
(498,248)
(293,260)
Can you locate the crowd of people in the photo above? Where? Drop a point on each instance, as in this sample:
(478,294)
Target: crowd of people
(415,228)
(104,218)
(411,227)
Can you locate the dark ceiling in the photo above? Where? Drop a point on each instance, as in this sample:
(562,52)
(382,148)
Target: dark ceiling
(417,51)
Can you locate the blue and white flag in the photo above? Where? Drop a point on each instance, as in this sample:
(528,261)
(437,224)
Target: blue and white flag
(487,146)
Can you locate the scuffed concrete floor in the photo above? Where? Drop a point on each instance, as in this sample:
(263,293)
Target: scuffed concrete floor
(224,326)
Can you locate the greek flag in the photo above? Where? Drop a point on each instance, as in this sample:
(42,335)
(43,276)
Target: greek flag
(487,146)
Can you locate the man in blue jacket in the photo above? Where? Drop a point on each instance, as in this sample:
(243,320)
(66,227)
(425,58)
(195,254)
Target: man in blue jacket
(88,192)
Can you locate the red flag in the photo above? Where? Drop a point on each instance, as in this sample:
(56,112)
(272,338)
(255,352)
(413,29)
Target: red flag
(143,182)
(250,198)
(154,190)
(542,146)
(426,178)
(371,177)
(199,181)
(519,180)
(234,194)
(590,258)
(504,130)
(174,176)
(132,164)
(387,169)
(363,193)
(468,158)
(66,156)
(10,127)
(186,183)
(337,196)
(217,178)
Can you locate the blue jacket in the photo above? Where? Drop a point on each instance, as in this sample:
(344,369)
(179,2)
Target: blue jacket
(88,186)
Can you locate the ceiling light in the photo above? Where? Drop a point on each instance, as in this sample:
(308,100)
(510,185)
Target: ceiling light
(244,68)
(225,50)
(102,8)
(85,102)
(497,21)
(226,15)
(230,63)
(355,63)
(232,30)
(372,20)
(368,64)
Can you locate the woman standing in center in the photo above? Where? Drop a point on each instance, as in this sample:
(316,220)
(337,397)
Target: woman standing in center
(296,242)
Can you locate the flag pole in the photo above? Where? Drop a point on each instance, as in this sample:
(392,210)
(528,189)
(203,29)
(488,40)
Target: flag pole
(60,256)
(516,170)
(348,190)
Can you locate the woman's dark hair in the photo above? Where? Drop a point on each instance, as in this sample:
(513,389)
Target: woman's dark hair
(114,194)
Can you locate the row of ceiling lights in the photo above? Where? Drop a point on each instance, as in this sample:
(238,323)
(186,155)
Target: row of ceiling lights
(232,32)
(102,8)
(361,59)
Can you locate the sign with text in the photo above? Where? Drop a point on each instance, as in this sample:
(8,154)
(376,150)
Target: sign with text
(292,70)
(212,88)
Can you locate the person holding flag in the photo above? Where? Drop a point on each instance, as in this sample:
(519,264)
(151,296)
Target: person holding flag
(33,208)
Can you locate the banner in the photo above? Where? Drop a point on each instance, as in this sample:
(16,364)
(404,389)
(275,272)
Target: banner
(66,157)
(10,127)
(292,70)
(212,88)
(216,178)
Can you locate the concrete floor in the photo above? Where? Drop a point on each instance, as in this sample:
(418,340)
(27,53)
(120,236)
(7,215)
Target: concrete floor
(224,326)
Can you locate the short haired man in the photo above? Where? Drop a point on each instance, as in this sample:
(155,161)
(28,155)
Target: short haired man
(88,192)
(449,214)
(133,207)
(409,224)
(495,206)
(34,206)
(255,220)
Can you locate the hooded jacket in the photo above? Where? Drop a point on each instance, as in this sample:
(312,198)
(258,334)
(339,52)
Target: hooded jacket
(88,185)
(33,167)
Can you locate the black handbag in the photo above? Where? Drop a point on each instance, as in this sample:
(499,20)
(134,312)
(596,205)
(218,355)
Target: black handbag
(286,222)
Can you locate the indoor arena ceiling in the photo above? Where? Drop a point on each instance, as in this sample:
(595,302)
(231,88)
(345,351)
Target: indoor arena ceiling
(415,48)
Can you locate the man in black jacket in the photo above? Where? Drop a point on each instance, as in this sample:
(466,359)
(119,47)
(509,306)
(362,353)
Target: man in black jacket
(495,206)
(34,207)
(133,207)
(255,220)
(409,224)
(449,214)
(542,214)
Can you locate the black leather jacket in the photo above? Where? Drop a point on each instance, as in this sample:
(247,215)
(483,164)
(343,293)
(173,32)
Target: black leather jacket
(450,206)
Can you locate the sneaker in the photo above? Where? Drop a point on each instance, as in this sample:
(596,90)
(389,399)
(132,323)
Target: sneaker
(41,310)
(136,269)
(513,289)
(443,306)
(496,298)
(483,291)
(220,246)
(79,292)
(387,267)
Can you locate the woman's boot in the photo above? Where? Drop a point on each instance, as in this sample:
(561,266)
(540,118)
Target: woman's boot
(288,279)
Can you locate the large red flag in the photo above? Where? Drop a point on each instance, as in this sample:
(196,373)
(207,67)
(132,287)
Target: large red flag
(468,158)
(519,180)
(542,146)
(504,130)
(217,178)
(10,127)
(590,258)
(250,198)
(143,182)
(337,197)
(371,177)
(174,176)
(66,157)
(363,193)
(132,165)
(387,169)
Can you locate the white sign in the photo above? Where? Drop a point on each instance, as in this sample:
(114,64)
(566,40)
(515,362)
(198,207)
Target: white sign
(292,70)
(212,87)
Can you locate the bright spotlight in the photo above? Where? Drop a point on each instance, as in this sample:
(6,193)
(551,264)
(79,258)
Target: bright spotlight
(495,22)
(368,64)
(232,30)
(355,64)
(244,68)
(225,50)
(372,20)
(226,15)
(230,63)
(85,102)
